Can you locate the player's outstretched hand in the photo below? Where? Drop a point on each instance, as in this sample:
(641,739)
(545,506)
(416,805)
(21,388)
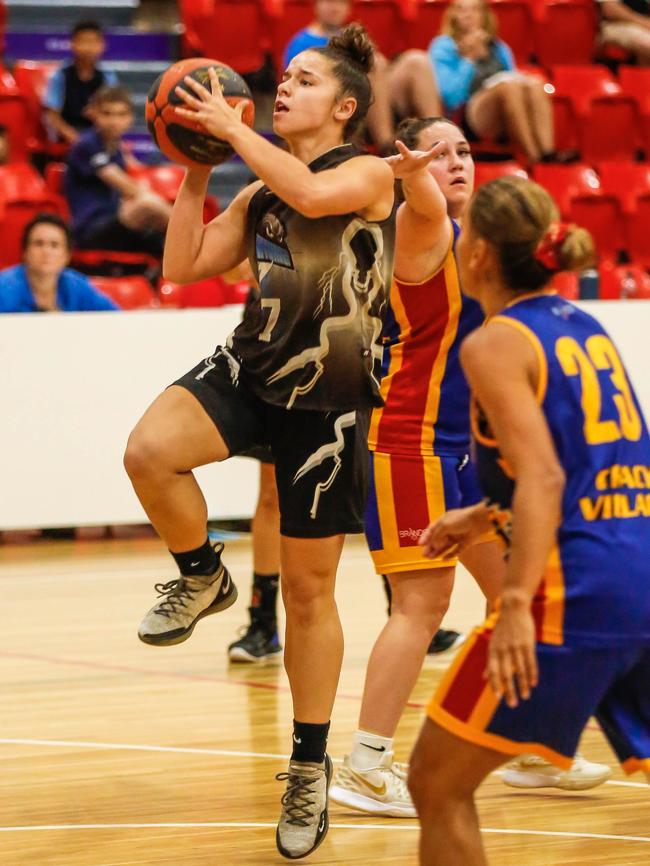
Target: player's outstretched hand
(454,531)
(406,162)
(209,108)
(512,658)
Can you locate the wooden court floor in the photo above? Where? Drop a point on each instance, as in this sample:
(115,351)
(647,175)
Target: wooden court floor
(116,754)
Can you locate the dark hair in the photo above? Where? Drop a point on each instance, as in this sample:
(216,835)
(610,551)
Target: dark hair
(86,26)
(351,54)
(3,129)
(515,216)
(107,94)
(46,219)
(410,128)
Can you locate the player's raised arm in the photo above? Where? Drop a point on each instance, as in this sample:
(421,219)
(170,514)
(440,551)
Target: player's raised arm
(194,251)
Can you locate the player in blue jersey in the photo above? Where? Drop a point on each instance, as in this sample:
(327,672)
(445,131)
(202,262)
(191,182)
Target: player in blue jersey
(563,457)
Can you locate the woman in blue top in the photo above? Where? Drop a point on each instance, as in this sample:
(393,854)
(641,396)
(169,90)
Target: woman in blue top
(476,76)
(43,283)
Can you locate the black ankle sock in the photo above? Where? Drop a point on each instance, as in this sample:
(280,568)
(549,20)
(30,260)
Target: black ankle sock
(203,560)
(309,742)
(265,593)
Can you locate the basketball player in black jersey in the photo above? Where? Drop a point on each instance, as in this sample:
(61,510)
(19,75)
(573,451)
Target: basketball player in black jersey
(300,374)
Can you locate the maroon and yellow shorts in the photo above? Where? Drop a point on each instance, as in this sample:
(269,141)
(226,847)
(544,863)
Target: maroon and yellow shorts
(406,493)
(575,683)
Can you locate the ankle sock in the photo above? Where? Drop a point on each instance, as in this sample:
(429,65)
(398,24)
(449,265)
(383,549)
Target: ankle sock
(368,750)
(309,741)
(265,594)
(201,561)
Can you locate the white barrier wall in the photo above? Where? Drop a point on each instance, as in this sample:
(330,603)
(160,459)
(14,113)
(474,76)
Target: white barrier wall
(73,385)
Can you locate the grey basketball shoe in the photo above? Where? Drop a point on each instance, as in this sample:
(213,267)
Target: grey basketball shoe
(304,822)
(185,601)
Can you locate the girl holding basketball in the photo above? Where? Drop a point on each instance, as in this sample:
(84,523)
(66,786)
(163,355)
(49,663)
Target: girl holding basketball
(300,374)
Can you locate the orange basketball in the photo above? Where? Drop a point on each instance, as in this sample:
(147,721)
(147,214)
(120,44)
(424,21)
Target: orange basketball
(179,138)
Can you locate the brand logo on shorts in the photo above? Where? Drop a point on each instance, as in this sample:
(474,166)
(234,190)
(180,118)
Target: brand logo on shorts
(412,534)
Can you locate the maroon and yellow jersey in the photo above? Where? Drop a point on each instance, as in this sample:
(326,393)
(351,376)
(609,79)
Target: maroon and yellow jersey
(425,393)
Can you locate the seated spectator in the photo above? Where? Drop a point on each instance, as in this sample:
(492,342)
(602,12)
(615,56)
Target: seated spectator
(477,79)
(5,147)
(71,87)
(403,88)
(110,209)
(44,283)
(627,23)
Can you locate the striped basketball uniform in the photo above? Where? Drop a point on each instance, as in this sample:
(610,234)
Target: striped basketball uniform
(300,373)
(419,439)
(592,607)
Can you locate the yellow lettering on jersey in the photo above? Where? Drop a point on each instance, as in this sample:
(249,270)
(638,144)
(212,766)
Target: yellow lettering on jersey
(592,509)
(602,479)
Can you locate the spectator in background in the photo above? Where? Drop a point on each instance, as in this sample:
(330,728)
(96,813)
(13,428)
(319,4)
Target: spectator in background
(43,283)
(71,87)
(5,151)
(477,79)
(110,209)
(403,88)
(627,23)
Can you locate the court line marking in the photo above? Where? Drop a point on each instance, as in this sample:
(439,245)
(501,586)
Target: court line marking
(187,750)
(247,825)
(251,684)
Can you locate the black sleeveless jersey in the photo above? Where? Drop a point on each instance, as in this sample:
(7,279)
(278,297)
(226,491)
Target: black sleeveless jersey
(312,340)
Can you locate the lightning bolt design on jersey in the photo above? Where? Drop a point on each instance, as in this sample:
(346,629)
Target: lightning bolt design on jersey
(359,293)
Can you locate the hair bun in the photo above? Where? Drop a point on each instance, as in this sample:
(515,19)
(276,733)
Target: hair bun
(577,251)
(356,44)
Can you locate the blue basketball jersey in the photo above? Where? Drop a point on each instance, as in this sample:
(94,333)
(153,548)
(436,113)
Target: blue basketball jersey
(596,587)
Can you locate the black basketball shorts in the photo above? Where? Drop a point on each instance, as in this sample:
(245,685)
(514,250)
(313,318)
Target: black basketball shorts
(321,458)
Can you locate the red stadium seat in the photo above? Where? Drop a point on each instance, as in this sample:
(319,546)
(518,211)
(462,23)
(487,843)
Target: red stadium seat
(23,194)
(625,180)
(383,21)
(515,20)
(31,78)
(14,115)
(129,293)
(233,31)
(213,292)
(623,282)
(580,197)
(423,26)
(635,81)
(487,171)
(54,177)
(565,31)
(567,284)
(637,231)
(293,16)
(608,119)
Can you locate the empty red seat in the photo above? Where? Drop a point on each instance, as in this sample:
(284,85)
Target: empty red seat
(423,22)
(23,194)
(637,231)
(608,119)
(292,16)
(635,81)
(14,115)
(129,293)
(581,199)
(232,31)
(623,282)
(487,171)
(515,21)
(625,180)
(565,31)
(32,77)
(383,21)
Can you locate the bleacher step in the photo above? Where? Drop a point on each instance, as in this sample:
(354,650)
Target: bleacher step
(62,13)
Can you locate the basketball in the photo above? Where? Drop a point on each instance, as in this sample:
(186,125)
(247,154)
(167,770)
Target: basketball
(179,138)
